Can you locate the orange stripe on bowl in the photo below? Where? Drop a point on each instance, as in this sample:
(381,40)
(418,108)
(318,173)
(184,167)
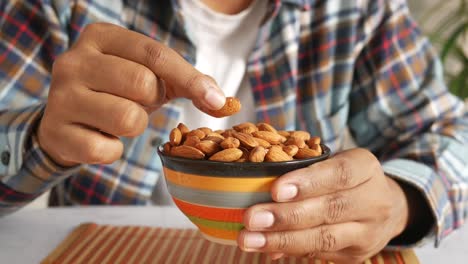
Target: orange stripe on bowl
(218,233)
(210,213)
(219,183)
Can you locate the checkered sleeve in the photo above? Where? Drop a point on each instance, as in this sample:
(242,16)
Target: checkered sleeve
(402,111)
(30,37)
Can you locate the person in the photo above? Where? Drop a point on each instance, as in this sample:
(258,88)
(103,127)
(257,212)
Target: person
(88,89)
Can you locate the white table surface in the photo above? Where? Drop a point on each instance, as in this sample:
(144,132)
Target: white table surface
(27,236)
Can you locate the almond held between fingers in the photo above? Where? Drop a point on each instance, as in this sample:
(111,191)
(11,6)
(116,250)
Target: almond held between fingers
(188,152)
(272,138)
(258,154)
(230,142)
(227,155)
(306,153)
(291,150)
(208,147)
(276,154)
(232,106)
(175,137)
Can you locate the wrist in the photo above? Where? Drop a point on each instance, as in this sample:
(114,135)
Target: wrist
(401,210)
(419,216)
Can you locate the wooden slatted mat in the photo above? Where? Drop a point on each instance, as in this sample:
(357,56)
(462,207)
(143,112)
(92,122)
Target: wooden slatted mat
(91,243)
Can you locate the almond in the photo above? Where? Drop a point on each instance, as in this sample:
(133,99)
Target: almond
(295,141)
(230,142)
(313,141)
(276,154)
(215,139)
(206,130)
(175,137)
(227,155)
(284,133)
(304,135)
(262,142)
(187,152)
(167,148)
(208,147)
(248,130)
(183,128)
(306,153)
(271,137)
(232,106)
(228,133)
(291,150)
(191,141)
(245,155)
(214,134)
(198,133)
(266,127)
(219,131)
(246,140)
(244,125)
(258,154)
(316,147)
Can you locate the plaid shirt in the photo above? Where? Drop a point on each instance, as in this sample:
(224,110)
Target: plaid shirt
(321,66)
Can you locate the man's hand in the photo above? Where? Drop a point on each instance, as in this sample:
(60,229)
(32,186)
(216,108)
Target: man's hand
(105,86)
(343,209)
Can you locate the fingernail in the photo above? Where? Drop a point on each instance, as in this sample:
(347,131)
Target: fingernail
(254,240)
(215,98)
(262,219)
(287,192)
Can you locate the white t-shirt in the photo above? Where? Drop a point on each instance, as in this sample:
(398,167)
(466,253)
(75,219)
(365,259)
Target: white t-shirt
(223,43)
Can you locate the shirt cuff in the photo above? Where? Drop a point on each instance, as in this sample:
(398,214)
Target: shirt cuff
(425,180)
(29,170)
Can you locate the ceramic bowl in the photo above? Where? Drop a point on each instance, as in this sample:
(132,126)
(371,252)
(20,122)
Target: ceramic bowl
(214,195)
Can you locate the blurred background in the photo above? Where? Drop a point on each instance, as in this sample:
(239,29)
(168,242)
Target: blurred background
(445,22)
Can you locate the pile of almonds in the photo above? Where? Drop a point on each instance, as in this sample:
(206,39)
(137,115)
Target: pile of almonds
(246,142)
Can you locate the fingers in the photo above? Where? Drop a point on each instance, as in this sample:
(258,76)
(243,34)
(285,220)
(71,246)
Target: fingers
(123,78)
(340,172)
(184,79)
(108,113)
(323,210)
(82,145)
(329,238)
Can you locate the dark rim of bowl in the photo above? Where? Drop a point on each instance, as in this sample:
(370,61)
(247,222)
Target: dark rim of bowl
(325,155)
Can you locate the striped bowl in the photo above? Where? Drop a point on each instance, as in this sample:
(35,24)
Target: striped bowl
(214,195)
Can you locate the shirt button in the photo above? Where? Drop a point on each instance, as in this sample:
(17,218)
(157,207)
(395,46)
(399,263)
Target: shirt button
(156,141)
(5,158)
